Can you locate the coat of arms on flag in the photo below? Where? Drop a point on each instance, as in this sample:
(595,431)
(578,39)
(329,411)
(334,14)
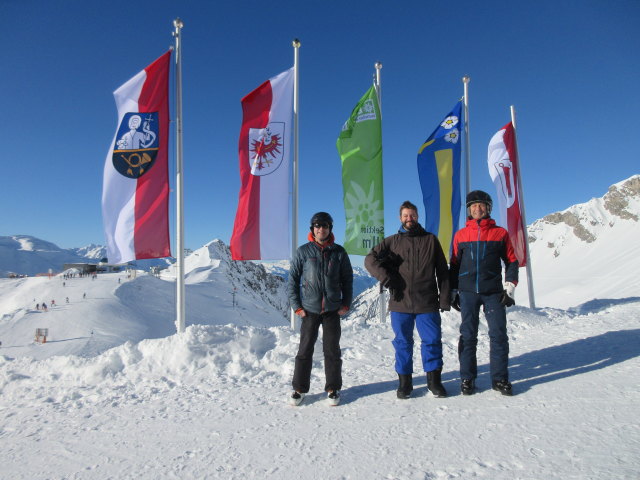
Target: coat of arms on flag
(137,144)
(503,171)
(266,148)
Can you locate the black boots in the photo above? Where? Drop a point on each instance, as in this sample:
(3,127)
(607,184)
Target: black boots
(434,383)
(406,386)
(502,386)
(468,387)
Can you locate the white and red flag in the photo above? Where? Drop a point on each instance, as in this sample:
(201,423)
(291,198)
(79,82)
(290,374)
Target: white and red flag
(261,230)
(504,171)
(135,192)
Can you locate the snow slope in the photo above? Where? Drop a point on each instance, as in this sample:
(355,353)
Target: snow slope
(211,403)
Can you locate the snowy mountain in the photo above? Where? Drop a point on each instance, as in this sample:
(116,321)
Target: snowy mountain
(26,255)
(93,251)
(587,251)
(212,267)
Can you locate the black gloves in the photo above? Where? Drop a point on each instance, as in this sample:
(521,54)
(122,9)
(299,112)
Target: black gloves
(396,286)
(507,295)
(506,300)
(455,300)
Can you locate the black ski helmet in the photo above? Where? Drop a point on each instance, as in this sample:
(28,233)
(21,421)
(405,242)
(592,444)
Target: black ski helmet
(321,217)
(478,196)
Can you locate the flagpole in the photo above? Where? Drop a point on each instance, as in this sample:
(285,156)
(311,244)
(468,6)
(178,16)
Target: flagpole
(532,302)
(381,296)
(467,152)
(378,66)
(180,293)
(294,209)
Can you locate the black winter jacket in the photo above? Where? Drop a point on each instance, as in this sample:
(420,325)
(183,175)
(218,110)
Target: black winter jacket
(417,274)
(320,278)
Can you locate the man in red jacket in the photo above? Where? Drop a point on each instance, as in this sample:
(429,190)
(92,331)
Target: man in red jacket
(479,249)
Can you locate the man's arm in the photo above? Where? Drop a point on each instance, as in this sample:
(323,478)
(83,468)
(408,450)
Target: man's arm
(293,286)
(373,265)
(511,263)
(346,283)
(454,264)
(442,276)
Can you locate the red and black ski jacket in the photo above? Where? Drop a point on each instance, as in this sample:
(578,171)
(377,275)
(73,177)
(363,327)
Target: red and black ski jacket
(478,250)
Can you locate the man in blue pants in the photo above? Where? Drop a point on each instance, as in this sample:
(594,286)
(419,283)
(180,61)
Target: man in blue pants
(412,265)
(479,250)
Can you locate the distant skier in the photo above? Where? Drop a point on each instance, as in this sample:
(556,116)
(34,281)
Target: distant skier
(84,295)
(67,299)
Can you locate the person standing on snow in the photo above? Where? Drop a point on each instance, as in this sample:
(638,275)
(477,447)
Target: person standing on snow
(320,291)
(476,280)
(412,265)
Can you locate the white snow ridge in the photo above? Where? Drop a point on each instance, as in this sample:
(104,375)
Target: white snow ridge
(114,393)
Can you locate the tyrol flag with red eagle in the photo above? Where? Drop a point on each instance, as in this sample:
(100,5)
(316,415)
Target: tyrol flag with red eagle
(261,230)
(504,171)
(135,192)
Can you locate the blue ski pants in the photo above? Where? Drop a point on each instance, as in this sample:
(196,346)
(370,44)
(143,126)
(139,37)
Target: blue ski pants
(496,316)
(428,325)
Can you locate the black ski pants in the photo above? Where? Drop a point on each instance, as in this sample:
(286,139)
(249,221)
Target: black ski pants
(331,331)
(496,317)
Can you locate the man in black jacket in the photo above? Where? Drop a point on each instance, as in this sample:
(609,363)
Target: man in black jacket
(320,291)
(412,265)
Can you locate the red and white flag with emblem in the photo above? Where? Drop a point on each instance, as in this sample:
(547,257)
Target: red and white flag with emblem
(262,228)
(135,192)
(504,171)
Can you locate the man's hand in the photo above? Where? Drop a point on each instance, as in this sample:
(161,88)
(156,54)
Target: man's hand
(301,313)
(343,310)
(507,295)
(455,300)
(396,286)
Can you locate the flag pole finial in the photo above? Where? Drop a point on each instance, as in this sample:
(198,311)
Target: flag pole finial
(378,65)
(178,23)
(296,43)
(466,79)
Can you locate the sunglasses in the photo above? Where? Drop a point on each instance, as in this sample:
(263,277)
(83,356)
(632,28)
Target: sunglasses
(321,225)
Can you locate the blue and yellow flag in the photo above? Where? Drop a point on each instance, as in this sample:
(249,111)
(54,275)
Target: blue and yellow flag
(439,173)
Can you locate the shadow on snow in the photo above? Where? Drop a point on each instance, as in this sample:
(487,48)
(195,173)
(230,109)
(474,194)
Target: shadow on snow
(532,368)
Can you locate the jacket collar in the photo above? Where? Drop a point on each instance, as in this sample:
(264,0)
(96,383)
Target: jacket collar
(481,224)
(331,240)
(417,231)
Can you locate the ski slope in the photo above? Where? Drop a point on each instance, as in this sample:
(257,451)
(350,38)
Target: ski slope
(115,394)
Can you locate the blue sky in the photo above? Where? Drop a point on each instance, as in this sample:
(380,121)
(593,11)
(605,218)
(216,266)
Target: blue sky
(570,68)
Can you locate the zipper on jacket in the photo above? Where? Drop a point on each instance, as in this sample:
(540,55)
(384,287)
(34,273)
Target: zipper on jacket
(478,260)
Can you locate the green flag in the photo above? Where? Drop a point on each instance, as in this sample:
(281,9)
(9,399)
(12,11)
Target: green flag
(360,149)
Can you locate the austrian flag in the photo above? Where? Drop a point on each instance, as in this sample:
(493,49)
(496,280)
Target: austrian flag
(261,228)
(135,192)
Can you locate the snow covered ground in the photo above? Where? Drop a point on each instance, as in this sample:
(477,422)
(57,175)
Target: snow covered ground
(211,403)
